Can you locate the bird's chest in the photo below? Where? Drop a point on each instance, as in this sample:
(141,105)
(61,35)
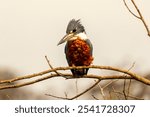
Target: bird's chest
(77,51)
(78,47)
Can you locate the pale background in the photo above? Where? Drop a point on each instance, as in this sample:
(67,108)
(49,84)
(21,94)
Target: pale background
(31,29)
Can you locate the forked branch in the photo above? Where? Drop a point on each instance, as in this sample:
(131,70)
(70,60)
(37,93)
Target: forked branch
(139,16)
(52,74)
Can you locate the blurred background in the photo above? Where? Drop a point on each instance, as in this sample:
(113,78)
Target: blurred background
(31,29)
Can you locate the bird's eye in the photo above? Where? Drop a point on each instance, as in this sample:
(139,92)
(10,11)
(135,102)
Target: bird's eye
(74,30)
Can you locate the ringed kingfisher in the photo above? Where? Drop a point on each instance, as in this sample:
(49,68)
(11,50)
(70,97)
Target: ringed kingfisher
(78,49)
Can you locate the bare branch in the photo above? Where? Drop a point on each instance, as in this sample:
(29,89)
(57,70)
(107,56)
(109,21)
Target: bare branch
(52,67)
(109,83)
(69,76)
(117,95)
(76,83)
(58,97)
(31,79)
(124,86)
(76,96)
(101,91)
(128,90)
(140,15)
(124,89)
(130,10)
(95,97)
(27,83)
(88,89)
(137,98)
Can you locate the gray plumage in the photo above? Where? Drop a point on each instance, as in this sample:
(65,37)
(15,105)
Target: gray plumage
(75,26)
(90,45)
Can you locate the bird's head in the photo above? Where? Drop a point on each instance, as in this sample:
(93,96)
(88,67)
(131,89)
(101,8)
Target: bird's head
(74,29)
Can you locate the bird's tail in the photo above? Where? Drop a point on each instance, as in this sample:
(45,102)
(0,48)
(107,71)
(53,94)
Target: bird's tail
(79,72)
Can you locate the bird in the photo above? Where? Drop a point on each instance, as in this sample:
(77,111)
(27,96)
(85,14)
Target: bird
(78,49)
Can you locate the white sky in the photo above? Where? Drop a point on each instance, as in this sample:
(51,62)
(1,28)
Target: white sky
(31,29)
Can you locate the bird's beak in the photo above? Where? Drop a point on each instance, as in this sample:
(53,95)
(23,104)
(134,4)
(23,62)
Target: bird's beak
(66,38)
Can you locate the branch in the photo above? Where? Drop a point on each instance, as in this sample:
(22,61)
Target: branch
(137,98)
(69,76)
(76,96)
(27,83)
(130,10)
(52,67)
(139,13)
(124,86)
(66,75)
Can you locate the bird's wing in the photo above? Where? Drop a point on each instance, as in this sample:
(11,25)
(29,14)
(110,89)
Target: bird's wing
(66,50)
(90,45)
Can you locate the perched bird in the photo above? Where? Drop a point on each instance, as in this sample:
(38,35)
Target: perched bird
(78,49)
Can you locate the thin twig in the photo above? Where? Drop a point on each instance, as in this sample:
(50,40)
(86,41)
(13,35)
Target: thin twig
(76,96)
(95,97)
(110,83)
(124,86)
(124,89)
(128,91)
(140,15)
(76,83)
(58,97)
(130,10)
(110,96)
(51,65)
(102,91)
(66,94)
(53,68)
(88,89)
(118,97)
(128,95)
